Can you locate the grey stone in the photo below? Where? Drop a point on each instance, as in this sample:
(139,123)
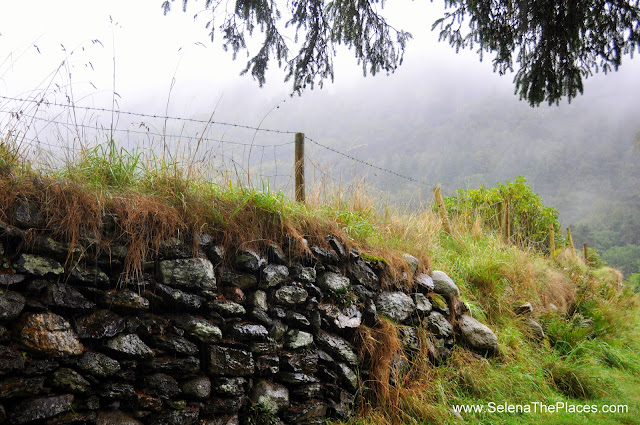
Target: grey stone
(88,274)
(267,365)
(11,304)
(186,367)
(411,261)
(291,295)
(228,308)
(349,317)
(312,411)
(10,360)
(175,343)
(229,386)
(215,253)
(275,254)
(305,362)
(192,273)
(37,265)
(423,305)
(69,380)
(63,295)
(325,256)
(49,334)
(201,329)
(100,324)
(271,396)
(239,280)
(337,246)
(439,325)
(40,408)
(297,378)
(408,337)
(248,261)
(395,305)
(124,300)
(444,285)
(303,274)
(98,364)
(337,347)
(129,345)
(115,417)
(295,338)
(333,282)
(230,361)
(361,273)
(259,300)
(7,280)
(223,420)
(425,281)
(477,335)
(524,309)
(116,390)
(175,248)
(199,387)
(307,391)
(274,275)
(179,300)
(27,214)
(297,319)
(248,332)
(21,387)
(176,417)
(348,377)
(162,385)
(536,330)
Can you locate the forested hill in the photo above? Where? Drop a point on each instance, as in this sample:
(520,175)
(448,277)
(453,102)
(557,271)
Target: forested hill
(582,158)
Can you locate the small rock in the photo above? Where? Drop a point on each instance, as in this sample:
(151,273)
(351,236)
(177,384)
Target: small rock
(248,332)
(229,386)
(425,281)
(338,347)
(397,306)
(439,325)
(259,300)
(524,309)
(63,295)
(40,408)
(21,387)
(333,282)
(100,324)
(249,261)
(175,343)
(201,329)
(37,265)
(10,360)
(179,300)
(238,280)
(11,304)
(297,339)
(337,246)
(303,274)
(227,308)
(536,330)
(199,387)
(124,301)
(361,273)
(115,417)
(291,295)
(477,335)
(271,396)
(273,275)
(162,385)
(325,256)
(443,285)
(49,334)
(129,345)
(98,364)
(88,274)
(215,253)
(230,361)
(193,272)
(412,262)
(342,318)
(348,377)
(423,305)
(69,380)
(275,254)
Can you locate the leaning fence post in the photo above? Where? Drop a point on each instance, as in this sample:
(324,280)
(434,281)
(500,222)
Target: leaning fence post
(552,241)
(443,211)
(586,256)
(299,167)
(573,250)
(505,220)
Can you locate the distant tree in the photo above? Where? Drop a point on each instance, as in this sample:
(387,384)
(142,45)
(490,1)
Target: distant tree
(556,43)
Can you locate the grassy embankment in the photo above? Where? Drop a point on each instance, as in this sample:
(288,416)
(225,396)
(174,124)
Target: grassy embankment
(591,355)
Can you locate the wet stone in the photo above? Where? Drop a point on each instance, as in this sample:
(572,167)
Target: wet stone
(201,329)
(248,332)
(295,338)
(307,391)
(336,246)
(342,318)
(439,325)
(228,386)
(37,265)
(239,280)
(199,387)
(175,248)
(7,280)
(306,362)
(129,345)
(267,364)
(115,417)
(397,306)
(5,335)
(177,299)
(230,361)
(40,367)
(248,261)
(333,282)
(49,334)
(275,254)
(273,275)
(69,380)
(21,387)
(124,301)
(40,408)
(225,405)
(259,300)
(423,305)
(89,275)
(271,396)
(303,274)
(193,272)
(98,364)
(408,337)
(27,214)
(65,296)
(178,367)
(116,391)
(265,347)
(312,411)
(291,295)
(227,308)
(424,281)
(100,324)
(337,347)
(297,378)
(348,377)
(74,418)
(175,417)
(361,273)
(175,343)
(11,304)
(325,256)
(297,319)
(161,385)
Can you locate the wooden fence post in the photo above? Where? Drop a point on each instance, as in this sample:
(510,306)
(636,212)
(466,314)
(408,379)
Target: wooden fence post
(443,211)
(586,256)
(552,241)
(573,250)
(299,167)
(505,221)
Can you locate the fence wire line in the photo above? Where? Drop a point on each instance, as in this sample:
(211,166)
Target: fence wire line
(151,133)
(364,162)
(138,114)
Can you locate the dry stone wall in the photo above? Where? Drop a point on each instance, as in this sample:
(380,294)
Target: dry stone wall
(199,338)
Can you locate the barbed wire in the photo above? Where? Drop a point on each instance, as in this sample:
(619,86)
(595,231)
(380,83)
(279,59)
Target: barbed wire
(151,133)
(139,114)
(365,162)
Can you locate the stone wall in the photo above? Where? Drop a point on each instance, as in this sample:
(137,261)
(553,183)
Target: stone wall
(200,338)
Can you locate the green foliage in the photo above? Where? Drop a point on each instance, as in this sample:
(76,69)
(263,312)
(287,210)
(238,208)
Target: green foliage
(258,414)
(625,258)
(529,220)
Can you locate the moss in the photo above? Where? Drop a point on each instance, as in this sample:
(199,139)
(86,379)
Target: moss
(370,258)
(438,301)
